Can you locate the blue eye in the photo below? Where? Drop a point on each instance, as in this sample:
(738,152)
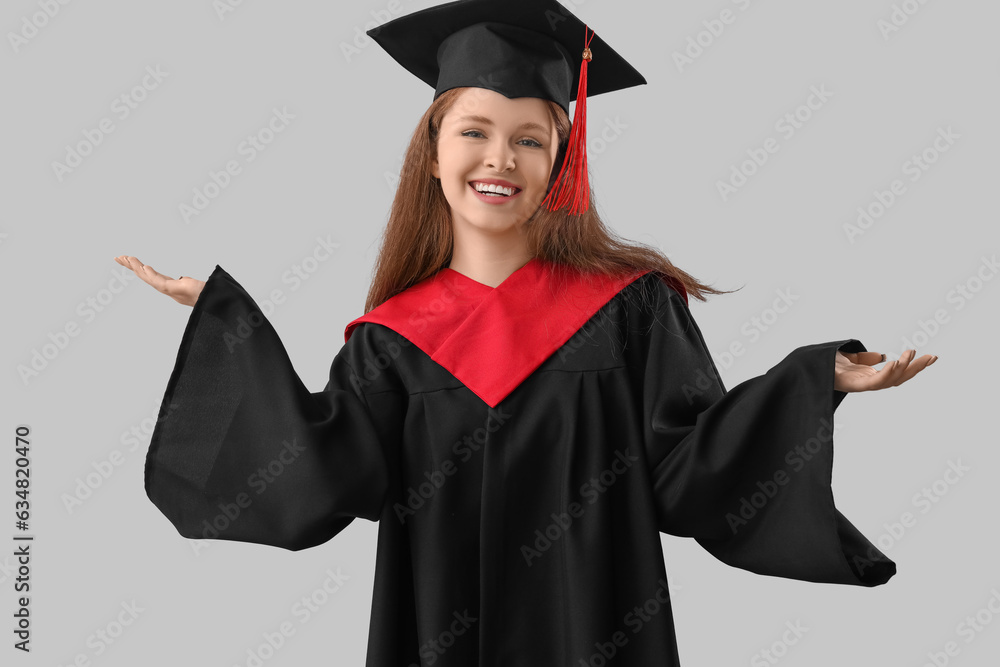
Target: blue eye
(476,134)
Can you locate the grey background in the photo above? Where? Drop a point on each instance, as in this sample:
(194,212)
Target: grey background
(329,174)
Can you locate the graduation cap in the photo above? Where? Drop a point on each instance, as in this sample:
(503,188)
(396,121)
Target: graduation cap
(518,48)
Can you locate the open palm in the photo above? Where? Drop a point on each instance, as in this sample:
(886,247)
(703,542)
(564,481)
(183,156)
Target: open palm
(183,290)
(854,372)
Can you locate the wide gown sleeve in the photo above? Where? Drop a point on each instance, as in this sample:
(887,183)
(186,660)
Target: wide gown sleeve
(243,451)
(747,472)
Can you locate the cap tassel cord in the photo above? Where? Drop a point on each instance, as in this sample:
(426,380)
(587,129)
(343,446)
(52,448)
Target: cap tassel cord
(576,150)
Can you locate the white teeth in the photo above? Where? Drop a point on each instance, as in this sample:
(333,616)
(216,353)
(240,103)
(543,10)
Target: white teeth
(483,187)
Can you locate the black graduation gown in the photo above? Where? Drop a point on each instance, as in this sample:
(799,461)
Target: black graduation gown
(520,494)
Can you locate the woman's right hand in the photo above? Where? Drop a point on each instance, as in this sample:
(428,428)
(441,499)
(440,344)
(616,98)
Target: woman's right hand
(182,290)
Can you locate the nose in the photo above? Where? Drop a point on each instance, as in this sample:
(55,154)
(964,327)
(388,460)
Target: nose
(499,156)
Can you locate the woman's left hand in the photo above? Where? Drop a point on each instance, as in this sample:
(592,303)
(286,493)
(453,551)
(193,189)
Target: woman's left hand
(853,370)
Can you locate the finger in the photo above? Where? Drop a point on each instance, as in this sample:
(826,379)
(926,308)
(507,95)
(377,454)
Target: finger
(128,261)
(915,367)
(895,373)
(148,274)
(135,265)
(851,357)
(902,364)
(888,375)
(869,358)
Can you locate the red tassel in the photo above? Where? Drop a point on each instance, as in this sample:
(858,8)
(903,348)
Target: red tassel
(575,162)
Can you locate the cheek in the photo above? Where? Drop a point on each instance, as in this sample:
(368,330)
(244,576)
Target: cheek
(455,167)
(541,172)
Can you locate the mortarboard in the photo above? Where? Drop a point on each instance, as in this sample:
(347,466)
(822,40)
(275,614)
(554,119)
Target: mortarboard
(519,48)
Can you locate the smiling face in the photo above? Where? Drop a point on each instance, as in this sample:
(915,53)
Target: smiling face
(487,139)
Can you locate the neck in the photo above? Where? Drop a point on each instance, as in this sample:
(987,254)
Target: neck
(488,261)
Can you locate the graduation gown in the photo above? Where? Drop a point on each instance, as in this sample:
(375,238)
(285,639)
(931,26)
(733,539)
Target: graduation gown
(521,447)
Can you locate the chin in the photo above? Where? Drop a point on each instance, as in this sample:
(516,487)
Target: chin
(496,227)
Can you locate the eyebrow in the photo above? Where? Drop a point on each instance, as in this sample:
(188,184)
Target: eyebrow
(486,121)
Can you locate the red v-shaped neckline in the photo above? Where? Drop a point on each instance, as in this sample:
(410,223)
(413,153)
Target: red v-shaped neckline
(492,338)
(475,283)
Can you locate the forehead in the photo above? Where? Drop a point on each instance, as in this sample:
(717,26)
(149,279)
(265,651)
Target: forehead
(489,105)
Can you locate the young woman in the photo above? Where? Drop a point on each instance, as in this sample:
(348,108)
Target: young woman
(525,404)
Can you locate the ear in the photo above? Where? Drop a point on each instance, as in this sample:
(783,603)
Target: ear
(435,170)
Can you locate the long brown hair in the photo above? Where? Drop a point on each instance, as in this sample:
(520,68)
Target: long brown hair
(417,240)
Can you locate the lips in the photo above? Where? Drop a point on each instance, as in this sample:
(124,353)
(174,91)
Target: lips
(494,198)
(496,186)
